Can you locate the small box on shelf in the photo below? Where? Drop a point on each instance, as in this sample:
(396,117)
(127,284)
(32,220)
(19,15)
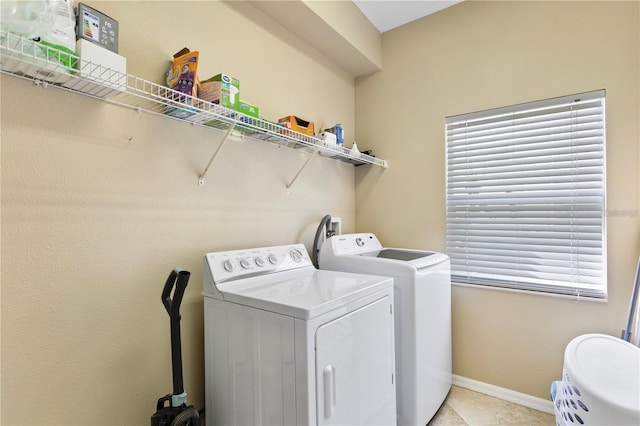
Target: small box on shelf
(221,89)
(96,27)
(103,72)
(298,125)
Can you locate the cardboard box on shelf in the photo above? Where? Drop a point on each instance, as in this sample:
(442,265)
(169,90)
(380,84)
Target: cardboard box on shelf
(107,70)
(182,74)
(221,89)
(96,27)
(298,125)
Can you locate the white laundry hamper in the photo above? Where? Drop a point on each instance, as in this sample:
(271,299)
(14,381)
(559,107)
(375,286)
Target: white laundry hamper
(600,383)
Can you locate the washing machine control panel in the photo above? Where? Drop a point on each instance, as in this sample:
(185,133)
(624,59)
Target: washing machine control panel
(238,264)
(355,243)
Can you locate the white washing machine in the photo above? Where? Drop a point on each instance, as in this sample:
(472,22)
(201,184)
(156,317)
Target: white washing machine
(422,301)
(286,344)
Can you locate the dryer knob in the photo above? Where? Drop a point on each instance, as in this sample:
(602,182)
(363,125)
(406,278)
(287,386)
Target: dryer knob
(296,255)
(273,259)
(228,265)
(245,264)
(259,261)
(359,242)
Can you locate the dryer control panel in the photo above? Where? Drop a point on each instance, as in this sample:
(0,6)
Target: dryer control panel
(239,264)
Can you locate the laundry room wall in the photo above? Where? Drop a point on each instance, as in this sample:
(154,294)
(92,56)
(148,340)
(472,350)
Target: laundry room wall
(480,55)
(99,203)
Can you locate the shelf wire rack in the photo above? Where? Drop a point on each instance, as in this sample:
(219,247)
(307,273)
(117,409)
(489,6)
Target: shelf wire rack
(49,67)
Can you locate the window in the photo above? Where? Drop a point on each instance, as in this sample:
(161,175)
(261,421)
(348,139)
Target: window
(526,196)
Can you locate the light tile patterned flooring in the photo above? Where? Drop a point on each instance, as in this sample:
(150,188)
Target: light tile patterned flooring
(468,408)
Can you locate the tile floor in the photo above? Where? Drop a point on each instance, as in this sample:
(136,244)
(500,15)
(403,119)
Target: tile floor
(464,407)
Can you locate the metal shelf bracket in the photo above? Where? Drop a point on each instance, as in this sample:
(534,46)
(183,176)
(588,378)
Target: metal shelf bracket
(215,154)
(300,171)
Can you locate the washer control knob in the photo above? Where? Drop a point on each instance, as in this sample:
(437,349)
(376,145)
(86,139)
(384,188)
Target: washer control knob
(359,242)
(245,264)
(228,265)
(259,262)
(273,259)
(296,255)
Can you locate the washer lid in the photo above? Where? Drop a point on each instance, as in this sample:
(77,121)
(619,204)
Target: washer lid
(365,249)
(398,254)
(607,367)
(305,294)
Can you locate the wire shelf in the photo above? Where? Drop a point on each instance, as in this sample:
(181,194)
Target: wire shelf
(49,67)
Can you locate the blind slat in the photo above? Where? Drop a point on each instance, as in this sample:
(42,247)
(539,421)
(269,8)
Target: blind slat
(481,169)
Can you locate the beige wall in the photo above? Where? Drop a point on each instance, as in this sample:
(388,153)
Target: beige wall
(100,202)
(479,55)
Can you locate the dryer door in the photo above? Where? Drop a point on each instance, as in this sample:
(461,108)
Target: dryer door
(355,367)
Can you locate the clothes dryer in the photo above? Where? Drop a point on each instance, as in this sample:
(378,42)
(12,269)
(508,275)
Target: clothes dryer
(286,344)
(422,299)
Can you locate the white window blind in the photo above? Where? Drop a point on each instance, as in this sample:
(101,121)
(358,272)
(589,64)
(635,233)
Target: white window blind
(526,196)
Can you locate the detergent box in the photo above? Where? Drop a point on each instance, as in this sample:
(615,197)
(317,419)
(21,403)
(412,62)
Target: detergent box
(182,74)
(182,77)
(221,89)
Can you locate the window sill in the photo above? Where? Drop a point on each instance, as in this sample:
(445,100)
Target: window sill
(572,297)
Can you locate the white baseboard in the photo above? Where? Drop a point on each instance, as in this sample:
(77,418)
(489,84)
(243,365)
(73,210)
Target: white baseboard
(523,399)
